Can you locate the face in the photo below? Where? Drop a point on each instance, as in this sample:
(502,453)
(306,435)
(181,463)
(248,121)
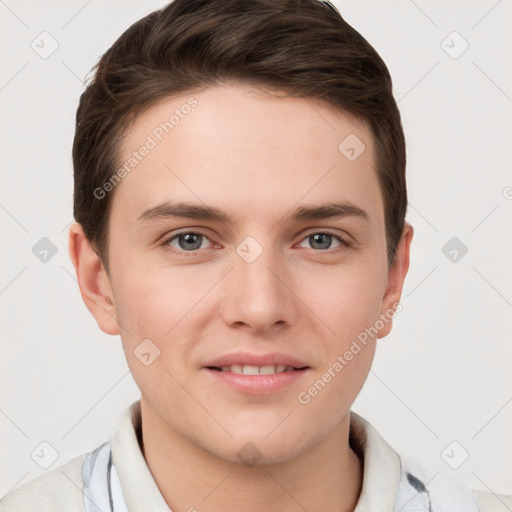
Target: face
(260,272)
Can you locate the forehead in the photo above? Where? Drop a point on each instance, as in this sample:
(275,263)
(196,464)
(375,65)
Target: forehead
(239,149)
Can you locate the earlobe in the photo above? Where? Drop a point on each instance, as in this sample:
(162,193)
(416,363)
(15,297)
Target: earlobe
(396,277)
(93,280)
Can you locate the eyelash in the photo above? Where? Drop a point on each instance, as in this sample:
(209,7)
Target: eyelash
(166,241)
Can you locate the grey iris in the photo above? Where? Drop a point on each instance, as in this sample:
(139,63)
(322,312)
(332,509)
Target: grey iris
(324,240)
(190,238)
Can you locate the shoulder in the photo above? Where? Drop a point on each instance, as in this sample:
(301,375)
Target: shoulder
(57,490)
(407,485)
(441,491)
(489,502)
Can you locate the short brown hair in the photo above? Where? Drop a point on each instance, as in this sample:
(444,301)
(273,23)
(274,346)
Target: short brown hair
(303,47)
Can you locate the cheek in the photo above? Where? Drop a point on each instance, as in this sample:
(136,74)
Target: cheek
(347,299)
(164,305)
(150,298)
(150,310)
(349,306)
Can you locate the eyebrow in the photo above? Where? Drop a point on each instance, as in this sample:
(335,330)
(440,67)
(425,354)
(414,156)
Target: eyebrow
(207,213)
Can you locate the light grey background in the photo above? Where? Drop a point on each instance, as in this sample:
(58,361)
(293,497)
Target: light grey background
(444,373)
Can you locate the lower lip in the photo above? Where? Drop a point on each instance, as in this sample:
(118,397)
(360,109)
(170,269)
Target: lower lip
(258,384)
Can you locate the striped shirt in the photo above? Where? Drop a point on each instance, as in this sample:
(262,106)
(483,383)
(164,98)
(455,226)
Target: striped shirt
(114,477)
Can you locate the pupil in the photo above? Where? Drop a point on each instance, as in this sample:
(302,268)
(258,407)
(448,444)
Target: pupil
(190,238)
(323,239)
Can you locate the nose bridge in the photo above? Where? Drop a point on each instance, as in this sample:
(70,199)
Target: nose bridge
(253,267)
(257,295)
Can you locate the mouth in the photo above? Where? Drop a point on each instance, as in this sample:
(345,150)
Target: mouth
(257,380)
(257,374)
(256,370)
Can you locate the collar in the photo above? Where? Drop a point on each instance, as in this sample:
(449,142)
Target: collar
(382,467)
(381,476)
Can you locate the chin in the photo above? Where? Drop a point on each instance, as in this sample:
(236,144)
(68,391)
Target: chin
(263,449)
(254,454)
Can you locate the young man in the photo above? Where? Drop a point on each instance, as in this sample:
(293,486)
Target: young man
(240,202)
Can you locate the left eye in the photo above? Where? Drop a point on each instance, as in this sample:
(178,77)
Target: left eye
(323,241)
(187,241)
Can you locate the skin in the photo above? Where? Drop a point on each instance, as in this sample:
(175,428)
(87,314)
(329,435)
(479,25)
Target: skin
(255,157)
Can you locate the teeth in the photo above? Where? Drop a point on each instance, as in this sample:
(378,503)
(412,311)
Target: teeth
(250,370)
(267,370)
(257,370)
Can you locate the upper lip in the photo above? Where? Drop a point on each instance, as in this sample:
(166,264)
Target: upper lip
(246,358)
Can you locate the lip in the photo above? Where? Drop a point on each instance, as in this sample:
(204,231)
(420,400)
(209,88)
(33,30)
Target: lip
(256,384)
(247,358)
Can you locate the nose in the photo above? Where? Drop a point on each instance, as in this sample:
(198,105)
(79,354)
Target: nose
(258,293)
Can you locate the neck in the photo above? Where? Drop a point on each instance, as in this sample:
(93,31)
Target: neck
(328,476)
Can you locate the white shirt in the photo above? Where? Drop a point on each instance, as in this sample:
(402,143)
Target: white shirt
(115,478)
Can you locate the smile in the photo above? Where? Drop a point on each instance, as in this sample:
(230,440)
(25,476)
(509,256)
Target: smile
(254,370)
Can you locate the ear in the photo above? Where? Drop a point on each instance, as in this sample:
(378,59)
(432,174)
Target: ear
(396,276)
(93,280)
